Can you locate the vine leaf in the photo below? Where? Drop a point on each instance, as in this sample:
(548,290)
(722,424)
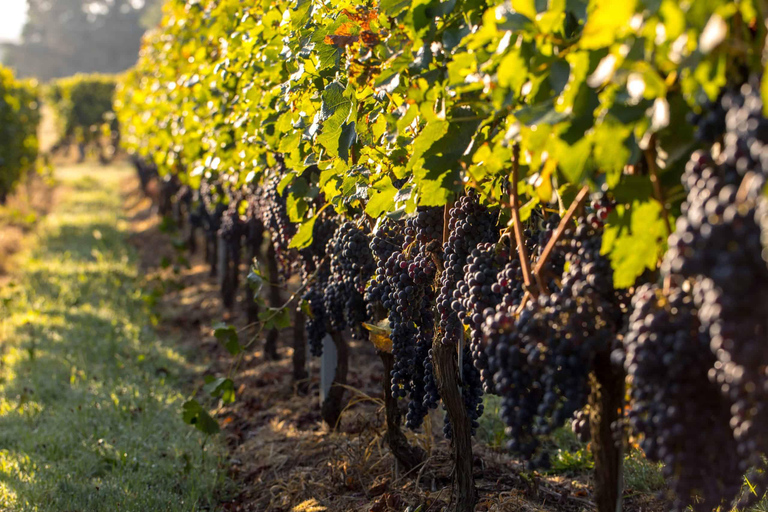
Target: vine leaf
(606,19)
(222,387)
(382,199)
(275,318)
(334,113)
(634,239)
(393,7)
(194,414)
(431,133)
(303,236)
(227,336)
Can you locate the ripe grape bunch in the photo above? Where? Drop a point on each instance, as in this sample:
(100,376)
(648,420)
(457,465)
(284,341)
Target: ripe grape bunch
(719,244)
(351,266)
(315,272)
(339,262)
(232,227)
(212,207)
(387,238)
(540,360)
(470,225)
(408,297)
(675,408)
(278,224)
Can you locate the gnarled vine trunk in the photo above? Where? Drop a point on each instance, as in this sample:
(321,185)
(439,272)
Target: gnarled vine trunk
(408,456)
(605,403)
(444,359)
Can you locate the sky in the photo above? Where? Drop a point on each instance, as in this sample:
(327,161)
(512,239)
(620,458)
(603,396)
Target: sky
(12,19)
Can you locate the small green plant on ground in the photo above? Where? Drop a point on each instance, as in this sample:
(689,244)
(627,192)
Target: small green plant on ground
(90,397)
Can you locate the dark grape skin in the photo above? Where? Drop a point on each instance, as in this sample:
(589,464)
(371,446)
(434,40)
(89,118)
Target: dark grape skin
(336,297)
(277,222)
(387,238)
(541,389)
(406,292)
(470,224)
(580,425)
(718,246)
(675,409)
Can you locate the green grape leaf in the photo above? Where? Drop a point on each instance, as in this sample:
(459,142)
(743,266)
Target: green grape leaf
(347,137)
(334,112)
(605,19)
(301,13)
(194,414)
(572,159)
(634,239)
(394,7)
(275,318)
(222,387)
(428,136)
(303,237)
(513,70)
(382,199)
(227,336)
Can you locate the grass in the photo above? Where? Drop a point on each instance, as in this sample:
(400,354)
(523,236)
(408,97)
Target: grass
(90,397)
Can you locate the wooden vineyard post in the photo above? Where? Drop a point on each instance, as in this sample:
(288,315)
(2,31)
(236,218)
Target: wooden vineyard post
(333,403)
(229,269)
(275,300)
(300,375)
(445,363)
(605,404)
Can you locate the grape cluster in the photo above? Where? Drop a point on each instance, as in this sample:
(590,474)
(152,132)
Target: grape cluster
(602,205)
(580,425)
(387,239)
(278,224)
(316,324)
(408,295)
(676,409)
(492,278)
(254,227)
(326,295)
(232,227)
(470,224)
(710,121)
(213,207)
(719,245)
(540,360)
(351,266)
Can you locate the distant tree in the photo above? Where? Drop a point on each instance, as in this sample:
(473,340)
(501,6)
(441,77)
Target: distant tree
(64,37)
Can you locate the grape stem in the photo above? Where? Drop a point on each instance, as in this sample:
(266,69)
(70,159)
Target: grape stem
(522,253)
(658,193)
(564,222)
(578,200)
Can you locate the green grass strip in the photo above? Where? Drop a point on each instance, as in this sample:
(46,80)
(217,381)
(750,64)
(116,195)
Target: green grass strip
(90,397)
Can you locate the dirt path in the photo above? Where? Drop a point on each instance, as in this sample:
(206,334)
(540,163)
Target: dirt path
(90,394)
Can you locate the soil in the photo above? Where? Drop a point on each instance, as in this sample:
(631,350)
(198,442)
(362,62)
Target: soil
(282,458)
